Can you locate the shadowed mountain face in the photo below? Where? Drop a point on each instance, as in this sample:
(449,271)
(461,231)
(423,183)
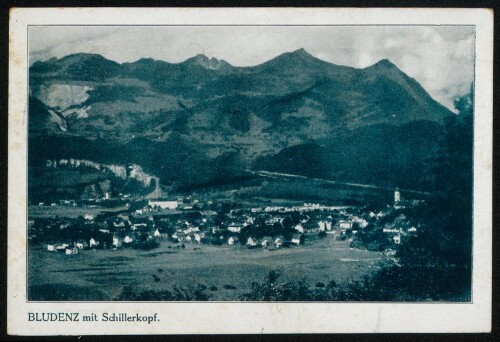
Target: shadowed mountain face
(203,119)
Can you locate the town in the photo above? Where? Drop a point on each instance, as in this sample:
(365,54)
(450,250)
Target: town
(144,224)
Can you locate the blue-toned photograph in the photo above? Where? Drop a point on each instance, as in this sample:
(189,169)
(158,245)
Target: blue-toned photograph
(250,163)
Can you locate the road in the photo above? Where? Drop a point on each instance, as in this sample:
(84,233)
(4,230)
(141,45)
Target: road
(279,175)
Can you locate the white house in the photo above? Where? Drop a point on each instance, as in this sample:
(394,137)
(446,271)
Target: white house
(251,241)
(234,228)
(128,239)
(71,251)
(93,243)
(392,230)
(61,248)
(191,230)
(343,224)
(322,226)
(299,228)
(139,225)
(51,248)
(298,239)
(232,240)
(361,221)
(278,242)
(116,241)
(157,233)
(80,245)
(164,204)
(197,238)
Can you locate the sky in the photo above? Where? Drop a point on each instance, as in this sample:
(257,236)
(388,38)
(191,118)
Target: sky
(440,58)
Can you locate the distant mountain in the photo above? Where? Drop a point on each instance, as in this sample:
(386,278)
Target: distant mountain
(208,63)
(203,119)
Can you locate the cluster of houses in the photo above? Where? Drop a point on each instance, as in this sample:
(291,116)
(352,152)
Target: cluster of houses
(71,248)
(399,229)
(169,220)
(269,241)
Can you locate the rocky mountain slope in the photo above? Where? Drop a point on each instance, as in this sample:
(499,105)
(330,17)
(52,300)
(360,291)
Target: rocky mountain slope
(204,120)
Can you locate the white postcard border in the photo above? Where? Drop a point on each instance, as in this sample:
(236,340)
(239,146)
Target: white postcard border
(231,317)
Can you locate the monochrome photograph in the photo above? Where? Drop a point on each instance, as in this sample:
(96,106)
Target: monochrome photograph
(240,163)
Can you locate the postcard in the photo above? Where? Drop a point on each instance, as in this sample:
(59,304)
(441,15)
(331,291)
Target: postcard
(237,170)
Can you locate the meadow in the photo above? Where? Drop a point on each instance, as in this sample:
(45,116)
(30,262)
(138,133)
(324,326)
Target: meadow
(226,272)
(35,211)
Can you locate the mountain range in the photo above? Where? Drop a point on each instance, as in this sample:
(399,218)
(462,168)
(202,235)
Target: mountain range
(203,121)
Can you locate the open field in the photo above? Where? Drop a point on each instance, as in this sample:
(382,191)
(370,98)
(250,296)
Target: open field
(267,187)
(35,211)
(102,274)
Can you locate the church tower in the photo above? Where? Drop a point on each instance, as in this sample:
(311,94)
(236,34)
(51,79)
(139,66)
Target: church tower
(397,196)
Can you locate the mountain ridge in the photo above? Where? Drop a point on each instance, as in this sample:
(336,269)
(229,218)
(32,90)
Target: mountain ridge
(204,111)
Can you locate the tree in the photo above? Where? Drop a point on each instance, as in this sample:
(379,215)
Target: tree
(454,181)
(442,251)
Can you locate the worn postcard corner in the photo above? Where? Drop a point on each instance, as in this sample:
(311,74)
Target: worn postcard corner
(203,171)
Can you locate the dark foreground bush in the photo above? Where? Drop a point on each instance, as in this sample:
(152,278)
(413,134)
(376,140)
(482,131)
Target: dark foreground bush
(389,284)
(176,294)
(64,292)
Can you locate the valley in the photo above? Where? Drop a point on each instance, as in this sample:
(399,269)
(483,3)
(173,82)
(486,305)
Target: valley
(201,180)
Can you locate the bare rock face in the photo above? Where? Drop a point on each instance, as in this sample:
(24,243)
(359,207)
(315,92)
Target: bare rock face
(62,96)
(208,63)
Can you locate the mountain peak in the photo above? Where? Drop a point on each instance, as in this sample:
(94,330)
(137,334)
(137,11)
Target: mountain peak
(201,56)
(292,60)
(301,52)
(83,56)
(208,63)
(385,67)
(384,63)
